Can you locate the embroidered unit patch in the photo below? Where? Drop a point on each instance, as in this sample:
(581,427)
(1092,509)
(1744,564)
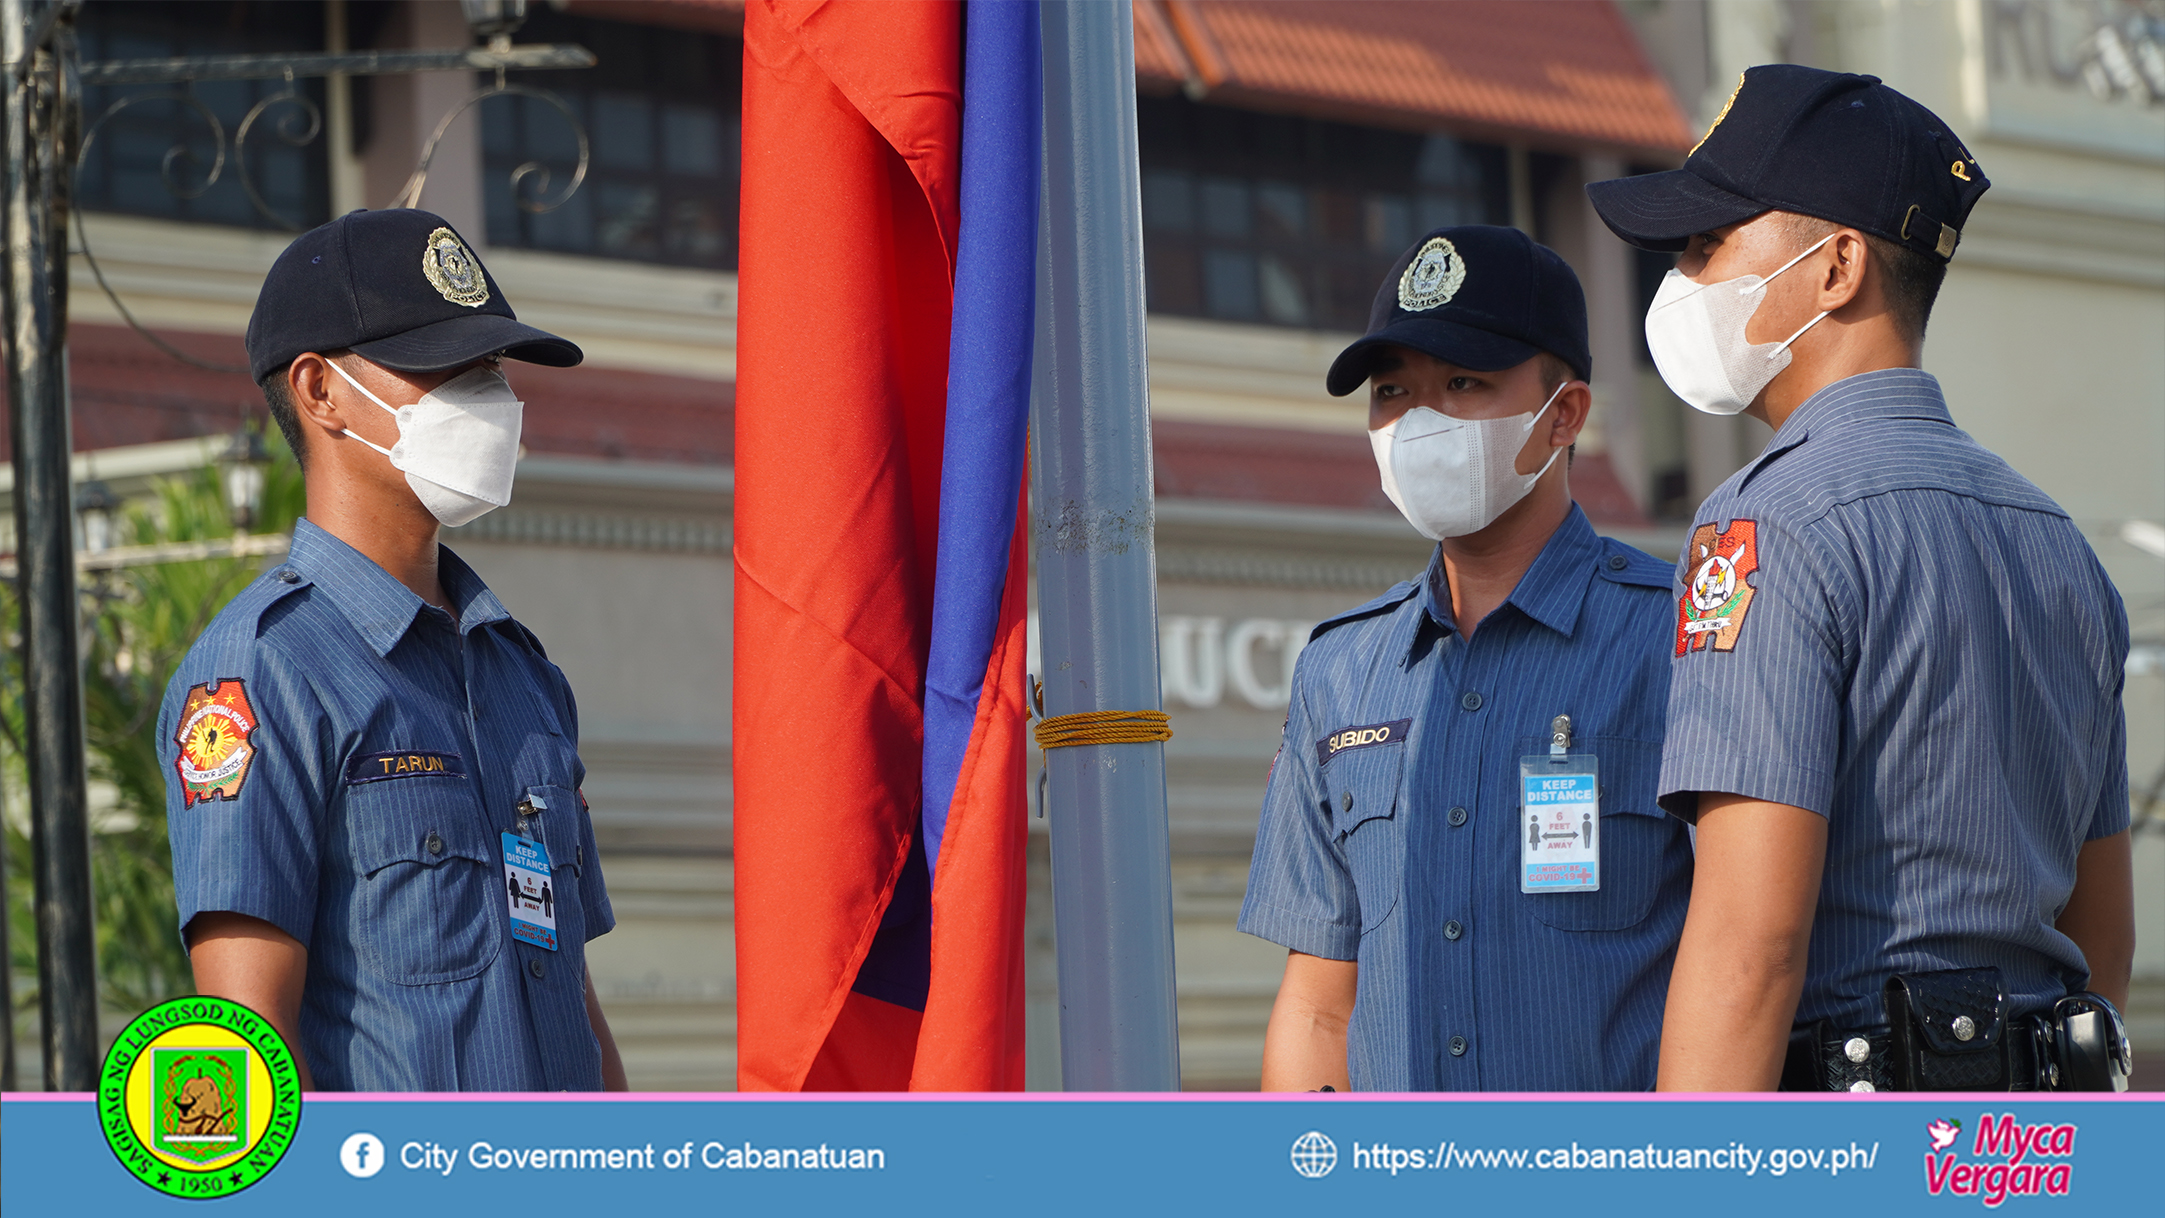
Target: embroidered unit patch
(1433,277)
(1715,601)
(215,725)
(452,271)
(377,767)
(1361,738)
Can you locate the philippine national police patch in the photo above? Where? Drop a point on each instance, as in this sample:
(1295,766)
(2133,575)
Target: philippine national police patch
(1433,277)
(216,723)
(452,271)
(1368,737)
(1716,598)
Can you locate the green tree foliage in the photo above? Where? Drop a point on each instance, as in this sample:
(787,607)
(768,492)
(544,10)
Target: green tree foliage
(138,622)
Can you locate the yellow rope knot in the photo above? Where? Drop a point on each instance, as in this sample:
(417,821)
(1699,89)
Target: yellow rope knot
(1103,727)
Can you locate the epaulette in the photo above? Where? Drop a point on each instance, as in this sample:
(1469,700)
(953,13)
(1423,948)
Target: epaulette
(1638,567)
(231,635)
(1382,604)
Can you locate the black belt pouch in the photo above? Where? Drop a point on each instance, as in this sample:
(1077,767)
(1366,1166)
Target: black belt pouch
(1946,1028)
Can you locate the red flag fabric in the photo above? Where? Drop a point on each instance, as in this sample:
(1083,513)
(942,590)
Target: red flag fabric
(849,222)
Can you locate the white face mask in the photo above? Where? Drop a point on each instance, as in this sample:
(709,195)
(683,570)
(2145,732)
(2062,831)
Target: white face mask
(458,445)
(1696,334)
(1450,477)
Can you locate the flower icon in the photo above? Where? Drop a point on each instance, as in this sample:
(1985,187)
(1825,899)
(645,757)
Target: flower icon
(1943,1133)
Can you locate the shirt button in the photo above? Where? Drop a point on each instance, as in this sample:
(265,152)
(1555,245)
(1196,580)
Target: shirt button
(1618,562)
(537,968)
(435,844)
(1452,930)
(1472,701)
(289,576)
(1458,1046)
(1458,817)
(1345,802)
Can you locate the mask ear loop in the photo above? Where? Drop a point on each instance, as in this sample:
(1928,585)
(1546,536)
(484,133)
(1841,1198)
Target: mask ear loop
(1784,344)
(1535,421)
(348,432)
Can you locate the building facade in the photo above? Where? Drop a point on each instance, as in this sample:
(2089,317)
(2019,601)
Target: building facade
(1290,151)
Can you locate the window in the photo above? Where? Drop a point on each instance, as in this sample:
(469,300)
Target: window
(154,157)
(1294,221)
(662,121)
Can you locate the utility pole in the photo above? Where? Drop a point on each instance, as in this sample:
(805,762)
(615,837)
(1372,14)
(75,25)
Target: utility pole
(1093,516)
(41,135)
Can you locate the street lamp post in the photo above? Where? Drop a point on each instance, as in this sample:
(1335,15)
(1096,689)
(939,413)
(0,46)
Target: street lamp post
(40,142)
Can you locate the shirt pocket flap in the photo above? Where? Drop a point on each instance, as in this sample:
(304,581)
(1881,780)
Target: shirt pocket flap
(409,831)
(1363,786)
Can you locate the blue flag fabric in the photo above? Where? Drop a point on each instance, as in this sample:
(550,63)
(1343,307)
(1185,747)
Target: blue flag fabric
(988,382)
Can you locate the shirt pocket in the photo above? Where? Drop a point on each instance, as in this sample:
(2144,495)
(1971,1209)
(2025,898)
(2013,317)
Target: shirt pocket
(1636,837)
(1364,797)
(431,897)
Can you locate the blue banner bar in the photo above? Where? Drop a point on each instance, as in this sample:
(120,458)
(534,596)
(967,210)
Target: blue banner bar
(1956,1154)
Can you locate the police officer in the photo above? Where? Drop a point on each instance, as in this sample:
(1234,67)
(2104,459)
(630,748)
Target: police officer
(1459,843)
(1895,714)
(366,756)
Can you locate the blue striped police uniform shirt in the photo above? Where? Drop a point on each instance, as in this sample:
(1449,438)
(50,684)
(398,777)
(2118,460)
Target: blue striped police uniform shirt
(1880,622)
(387,747)
(1403,853)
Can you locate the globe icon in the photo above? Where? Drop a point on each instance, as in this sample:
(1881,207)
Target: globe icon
(1314,1155)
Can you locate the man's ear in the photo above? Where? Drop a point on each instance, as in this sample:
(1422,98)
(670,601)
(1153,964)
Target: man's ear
(1842,278)
(1573,403)
(308,383)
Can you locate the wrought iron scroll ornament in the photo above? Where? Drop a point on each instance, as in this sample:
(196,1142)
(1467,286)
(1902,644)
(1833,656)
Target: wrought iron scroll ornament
(287,129)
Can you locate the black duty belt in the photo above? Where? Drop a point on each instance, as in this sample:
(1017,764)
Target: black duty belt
(1951,1031)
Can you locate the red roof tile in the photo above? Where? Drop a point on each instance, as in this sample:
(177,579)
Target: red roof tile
(1564,71)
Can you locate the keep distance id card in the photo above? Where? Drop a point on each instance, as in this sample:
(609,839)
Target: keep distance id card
(529,891)
(1560,823)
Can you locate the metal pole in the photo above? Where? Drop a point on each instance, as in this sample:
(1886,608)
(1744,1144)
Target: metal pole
(38,139)
(1092,518)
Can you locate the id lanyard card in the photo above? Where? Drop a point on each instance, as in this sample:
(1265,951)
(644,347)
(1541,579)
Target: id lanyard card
(1560,819)
(530,890)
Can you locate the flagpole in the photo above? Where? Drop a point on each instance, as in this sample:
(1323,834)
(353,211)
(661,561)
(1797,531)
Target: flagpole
(1092,516)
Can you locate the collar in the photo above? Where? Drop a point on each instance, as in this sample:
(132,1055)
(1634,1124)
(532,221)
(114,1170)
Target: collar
(1551,590)
(380,608)
(1888,393)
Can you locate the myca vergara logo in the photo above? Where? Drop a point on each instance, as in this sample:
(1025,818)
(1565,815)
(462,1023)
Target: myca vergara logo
(2006,1160)
(199,1097)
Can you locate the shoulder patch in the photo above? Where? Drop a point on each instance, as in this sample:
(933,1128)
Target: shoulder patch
(1382,604)
(1366,737)
(216,724)
(1715,595)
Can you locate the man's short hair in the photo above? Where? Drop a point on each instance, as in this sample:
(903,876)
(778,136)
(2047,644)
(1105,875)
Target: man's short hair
(1910,281)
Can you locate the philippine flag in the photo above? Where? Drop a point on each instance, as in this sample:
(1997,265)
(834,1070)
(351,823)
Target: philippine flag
(886,287)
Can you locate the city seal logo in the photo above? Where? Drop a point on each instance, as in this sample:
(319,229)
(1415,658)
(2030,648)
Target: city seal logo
(199,1097)
(1314,1155)
(1715,601)
(452,271)
(1432,278)
(215,725)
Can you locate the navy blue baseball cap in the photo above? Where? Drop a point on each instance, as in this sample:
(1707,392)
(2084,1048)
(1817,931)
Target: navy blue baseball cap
(1835,145)
(1478,296)
(399,288)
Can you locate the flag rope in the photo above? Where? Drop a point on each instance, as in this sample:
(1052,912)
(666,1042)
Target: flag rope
(1103,727)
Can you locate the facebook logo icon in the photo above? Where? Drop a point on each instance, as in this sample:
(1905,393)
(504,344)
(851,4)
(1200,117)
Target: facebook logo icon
(362,1155)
